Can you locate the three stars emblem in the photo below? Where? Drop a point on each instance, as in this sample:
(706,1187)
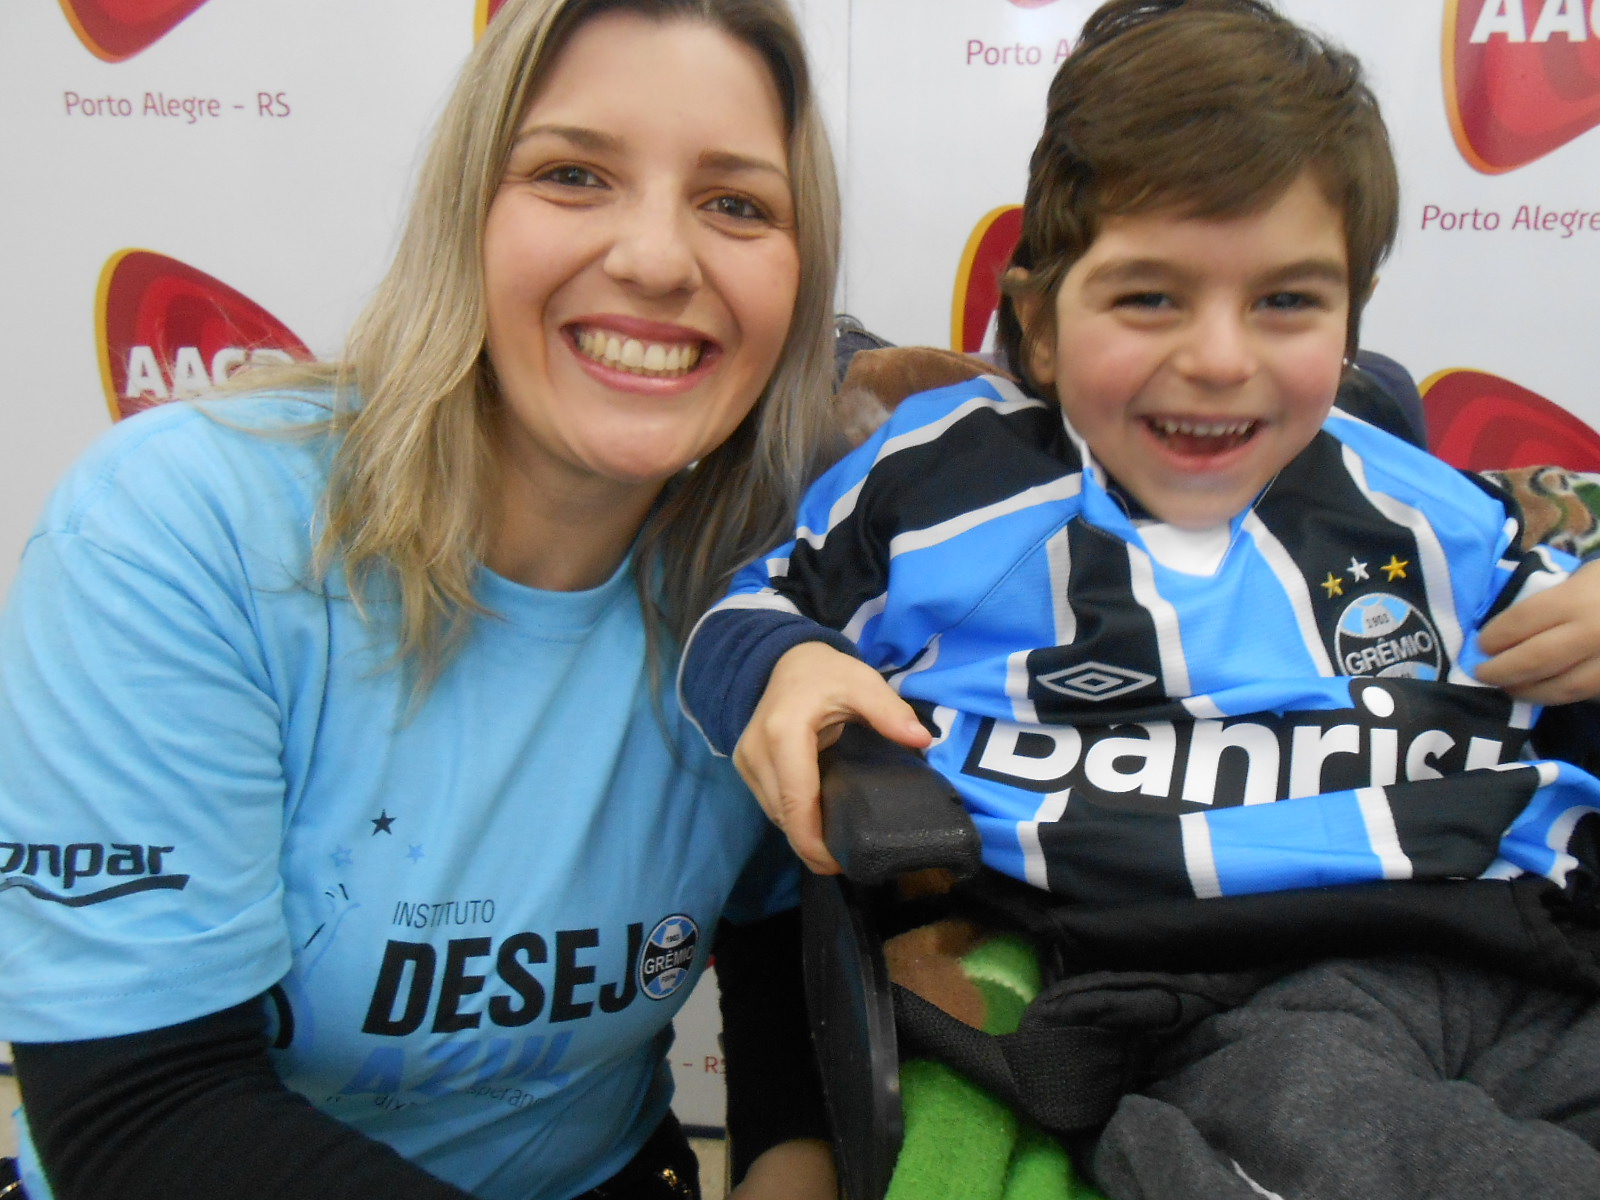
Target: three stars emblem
(1358,572)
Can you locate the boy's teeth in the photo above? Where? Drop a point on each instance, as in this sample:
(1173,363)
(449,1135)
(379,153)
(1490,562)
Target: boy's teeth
(1204,428)
(639,358)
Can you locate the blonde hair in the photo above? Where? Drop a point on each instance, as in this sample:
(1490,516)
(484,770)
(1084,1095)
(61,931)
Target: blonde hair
(410,494)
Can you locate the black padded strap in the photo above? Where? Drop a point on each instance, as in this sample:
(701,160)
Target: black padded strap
(1525,926)
(1066,1079)
(1082,1044)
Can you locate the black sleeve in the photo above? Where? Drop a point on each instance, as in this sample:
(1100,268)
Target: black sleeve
(774,1089)
(196,1112)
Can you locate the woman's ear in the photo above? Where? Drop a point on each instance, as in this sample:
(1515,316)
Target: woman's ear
(1038,347)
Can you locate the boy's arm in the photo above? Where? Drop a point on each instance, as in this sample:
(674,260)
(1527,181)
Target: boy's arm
(789,656)
(774,688)
(771,673)
(813,691)
(729,658)
(1546,648)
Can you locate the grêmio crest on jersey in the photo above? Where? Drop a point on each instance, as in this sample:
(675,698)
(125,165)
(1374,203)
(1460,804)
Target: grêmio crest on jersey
(1364,570)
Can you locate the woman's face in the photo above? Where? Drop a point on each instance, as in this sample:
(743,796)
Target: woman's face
(640,263)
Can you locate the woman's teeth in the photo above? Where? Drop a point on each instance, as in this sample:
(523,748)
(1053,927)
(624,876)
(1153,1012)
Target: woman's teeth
(636,357)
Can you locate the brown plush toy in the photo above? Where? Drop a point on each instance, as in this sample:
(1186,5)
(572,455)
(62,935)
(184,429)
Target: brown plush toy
(877,380)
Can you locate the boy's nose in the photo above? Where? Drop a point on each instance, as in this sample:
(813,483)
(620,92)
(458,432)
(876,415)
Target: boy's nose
(653,248)
(1218,351)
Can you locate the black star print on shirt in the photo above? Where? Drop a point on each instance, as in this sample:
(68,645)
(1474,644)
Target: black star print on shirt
(381,823)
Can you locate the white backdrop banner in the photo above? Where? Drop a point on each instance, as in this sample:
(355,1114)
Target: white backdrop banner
(190,184)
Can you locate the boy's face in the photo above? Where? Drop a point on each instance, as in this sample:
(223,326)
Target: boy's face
(1197,357)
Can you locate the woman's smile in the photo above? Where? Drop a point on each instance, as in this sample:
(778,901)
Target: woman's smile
(657,360)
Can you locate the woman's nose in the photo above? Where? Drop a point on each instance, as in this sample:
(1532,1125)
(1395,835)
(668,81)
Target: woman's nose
(654,249)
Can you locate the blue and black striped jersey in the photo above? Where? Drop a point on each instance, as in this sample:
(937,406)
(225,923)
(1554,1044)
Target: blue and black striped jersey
(1132,710)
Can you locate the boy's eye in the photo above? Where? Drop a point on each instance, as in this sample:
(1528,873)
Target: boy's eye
(739,208)
(1144,300)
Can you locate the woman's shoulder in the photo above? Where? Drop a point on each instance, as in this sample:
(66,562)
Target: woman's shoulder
(226,462)
(182,444)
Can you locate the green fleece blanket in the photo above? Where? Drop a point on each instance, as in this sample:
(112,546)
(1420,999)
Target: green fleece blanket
(960,1142)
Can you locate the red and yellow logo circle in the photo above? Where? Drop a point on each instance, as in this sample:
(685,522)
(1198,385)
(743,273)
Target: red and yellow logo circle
(485,14)
(166,330)
(1521,77)
(115,30)
(1480,422)
(977,290)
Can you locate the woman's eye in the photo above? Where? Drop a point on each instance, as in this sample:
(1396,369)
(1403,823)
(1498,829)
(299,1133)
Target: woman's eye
(1290,301)
(740,208)
(569,176)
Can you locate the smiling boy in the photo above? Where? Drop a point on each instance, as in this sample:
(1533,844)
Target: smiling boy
(1197,357)
(1181,633)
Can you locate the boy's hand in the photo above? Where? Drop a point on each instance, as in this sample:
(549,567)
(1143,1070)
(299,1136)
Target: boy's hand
(813,691)
(1547,648)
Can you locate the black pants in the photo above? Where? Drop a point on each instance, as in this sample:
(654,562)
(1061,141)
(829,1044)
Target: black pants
(664,1169)
(1377,1079)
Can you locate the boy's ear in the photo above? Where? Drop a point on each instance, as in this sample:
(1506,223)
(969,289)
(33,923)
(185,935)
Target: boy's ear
(1039,349)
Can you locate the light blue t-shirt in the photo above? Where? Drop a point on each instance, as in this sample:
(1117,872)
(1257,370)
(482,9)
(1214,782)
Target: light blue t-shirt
(477,916)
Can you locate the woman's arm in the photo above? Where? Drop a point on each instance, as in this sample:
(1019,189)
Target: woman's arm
(799,1170)
(196,1111)
(777,1127)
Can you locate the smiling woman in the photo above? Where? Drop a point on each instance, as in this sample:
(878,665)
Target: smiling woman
(382,637)
(628,234)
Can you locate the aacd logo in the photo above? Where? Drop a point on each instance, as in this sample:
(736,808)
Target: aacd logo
(118,29)
(1522,77)
(166,330)
(1481,422)
(977,291)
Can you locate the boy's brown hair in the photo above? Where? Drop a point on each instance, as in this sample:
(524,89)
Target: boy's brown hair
(1205,108)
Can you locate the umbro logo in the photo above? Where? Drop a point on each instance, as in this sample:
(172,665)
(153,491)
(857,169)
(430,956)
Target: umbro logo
(1095,681)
